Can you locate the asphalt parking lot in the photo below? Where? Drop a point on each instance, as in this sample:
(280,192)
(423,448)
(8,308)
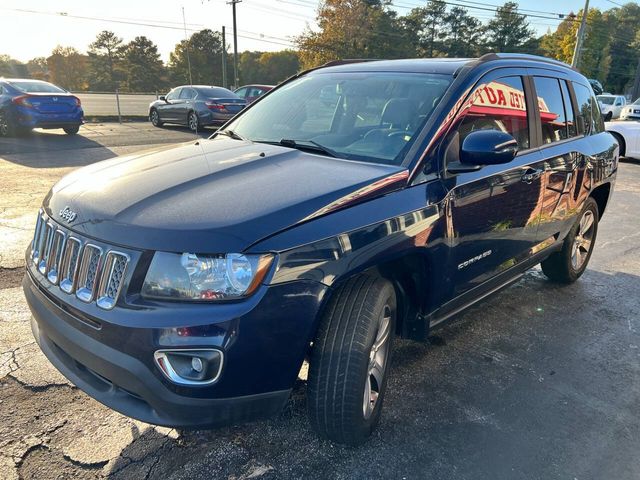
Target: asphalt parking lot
(539,382)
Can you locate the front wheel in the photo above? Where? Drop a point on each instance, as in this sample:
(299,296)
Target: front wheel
(194,123)
(350,360)
(154,117)
(567,265)
(72,130)
(608,117)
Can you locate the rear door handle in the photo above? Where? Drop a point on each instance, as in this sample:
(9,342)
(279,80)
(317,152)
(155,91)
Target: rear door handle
(531,175)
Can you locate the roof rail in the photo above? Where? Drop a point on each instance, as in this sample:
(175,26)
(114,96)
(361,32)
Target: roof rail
(489,57)
(347,61)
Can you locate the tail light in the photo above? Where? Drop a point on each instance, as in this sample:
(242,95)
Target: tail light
(214,105)
(23,101)
(78,102)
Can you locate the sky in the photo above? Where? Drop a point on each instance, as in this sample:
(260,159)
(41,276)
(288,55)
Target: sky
(32,28)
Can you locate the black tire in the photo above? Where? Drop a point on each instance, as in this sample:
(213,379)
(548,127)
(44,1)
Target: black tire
(360,313)
(72,130)
(562,266)
(154,118)
(608,117)
(193,122)
(7,129)
(621,143)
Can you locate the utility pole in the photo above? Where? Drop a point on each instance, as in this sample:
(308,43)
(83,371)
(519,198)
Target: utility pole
(635,91)
(224,58)
(236,80)
(580,36)
(184,23)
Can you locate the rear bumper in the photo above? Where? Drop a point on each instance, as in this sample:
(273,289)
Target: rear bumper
(30,119)
(117,375)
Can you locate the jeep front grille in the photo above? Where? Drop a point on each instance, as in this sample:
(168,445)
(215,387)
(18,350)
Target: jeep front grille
(76,265)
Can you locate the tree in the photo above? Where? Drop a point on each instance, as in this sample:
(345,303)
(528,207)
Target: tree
(38,68)
(67,68)
(267,67)
(105,54)
(509,31)
(144,71)
(625,24)
(464,34)
(10,67)
(204,50)
(428,23)
(354,29)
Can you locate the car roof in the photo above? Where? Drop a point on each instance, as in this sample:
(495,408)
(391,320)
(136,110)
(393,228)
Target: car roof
(200,86)
(259,85)
(436,65)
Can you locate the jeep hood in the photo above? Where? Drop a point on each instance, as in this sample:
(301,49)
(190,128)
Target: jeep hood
(211,196)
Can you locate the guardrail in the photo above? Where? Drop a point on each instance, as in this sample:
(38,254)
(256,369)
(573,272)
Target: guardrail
(115,104)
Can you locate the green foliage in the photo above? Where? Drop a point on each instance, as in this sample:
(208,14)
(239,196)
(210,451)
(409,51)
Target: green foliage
(10,67)
(142,67)
(105,68)
(354,29)
(204,51)
(428,23)
(509,31)
(67,68)
(37,68)
(268,68)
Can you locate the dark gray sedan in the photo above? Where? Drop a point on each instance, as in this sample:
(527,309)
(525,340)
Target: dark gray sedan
(195,106)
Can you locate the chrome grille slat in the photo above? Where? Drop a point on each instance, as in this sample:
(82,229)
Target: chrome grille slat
(111,280)
(88,272)
(69,265)
(55,255)
(36,239)
(39,239)
(45,247)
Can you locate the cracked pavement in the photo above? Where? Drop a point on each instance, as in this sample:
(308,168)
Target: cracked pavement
(538,382)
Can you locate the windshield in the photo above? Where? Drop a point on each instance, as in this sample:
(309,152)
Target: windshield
(369,117)
(606,100)
(637,102)
(36,87)
(213,92)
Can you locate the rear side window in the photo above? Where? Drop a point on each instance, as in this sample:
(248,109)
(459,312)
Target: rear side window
(498,105)
(597,122)
(551,106)
(583,99)
(187,94)
(568,109)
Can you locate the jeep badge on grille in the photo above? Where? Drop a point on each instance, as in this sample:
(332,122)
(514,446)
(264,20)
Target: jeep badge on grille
(67,214)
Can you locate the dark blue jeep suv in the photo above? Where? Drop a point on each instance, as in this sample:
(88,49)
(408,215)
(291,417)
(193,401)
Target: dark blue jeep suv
(186,286)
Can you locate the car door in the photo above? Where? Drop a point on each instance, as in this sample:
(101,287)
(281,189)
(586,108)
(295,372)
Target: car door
(185,104)
(493,212)
(166,110)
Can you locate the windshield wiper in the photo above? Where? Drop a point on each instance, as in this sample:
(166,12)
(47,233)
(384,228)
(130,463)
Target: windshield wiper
(308,145)
(230,134)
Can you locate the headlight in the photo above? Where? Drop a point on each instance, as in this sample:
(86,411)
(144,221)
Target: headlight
(204,277)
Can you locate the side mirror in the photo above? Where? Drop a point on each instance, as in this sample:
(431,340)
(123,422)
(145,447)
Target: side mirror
(488,147)
(163,98)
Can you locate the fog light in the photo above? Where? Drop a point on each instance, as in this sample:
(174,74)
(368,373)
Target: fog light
(190,366)
(196,364)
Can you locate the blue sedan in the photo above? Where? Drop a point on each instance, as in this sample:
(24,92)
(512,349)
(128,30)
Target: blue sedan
(28,104)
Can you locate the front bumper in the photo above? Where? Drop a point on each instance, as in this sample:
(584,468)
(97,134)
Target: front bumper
(259,367)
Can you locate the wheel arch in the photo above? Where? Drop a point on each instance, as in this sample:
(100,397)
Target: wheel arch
(621,141)
(601,195)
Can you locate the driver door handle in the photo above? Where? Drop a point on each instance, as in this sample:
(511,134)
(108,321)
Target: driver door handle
(531,175)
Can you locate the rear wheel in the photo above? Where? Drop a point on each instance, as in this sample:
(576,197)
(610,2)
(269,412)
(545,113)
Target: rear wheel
(7,129)
(350,360)
(154,117)
(193,122)
(72,130)
(567,265)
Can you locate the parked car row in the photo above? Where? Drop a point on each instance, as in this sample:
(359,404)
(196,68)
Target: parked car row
(27,104)
(198,106)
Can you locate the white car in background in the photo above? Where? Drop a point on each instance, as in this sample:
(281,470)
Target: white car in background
(627,134)
(631,111)
(611,106)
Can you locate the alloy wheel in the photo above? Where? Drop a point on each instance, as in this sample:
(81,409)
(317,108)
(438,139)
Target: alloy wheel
(193,122)
(378,357)
(154,118)
(4,125)
(583,241)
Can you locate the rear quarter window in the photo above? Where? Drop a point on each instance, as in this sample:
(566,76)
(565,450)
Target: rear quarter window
(585,108)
